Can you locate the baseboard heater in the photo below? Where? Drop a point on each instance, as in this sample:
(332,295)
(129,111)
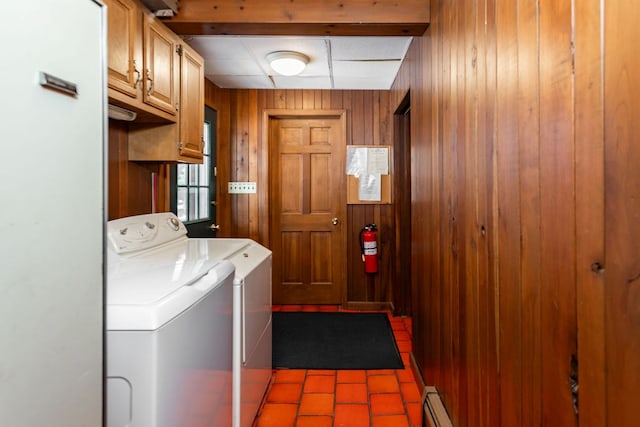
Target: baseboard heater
(435,414)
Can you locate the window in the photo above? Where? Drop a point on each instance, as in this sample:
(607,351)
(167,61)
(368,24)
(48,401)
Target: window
(193,198)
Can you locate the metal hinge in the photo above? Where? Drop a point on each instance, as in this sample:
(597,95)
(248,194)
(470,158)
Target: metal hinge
(180,146)
(179,50)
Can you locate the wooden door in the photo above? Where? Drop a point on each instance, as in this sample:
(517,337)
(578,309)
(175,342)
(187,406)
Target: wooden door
(125,67)
(161,66)
(308,209)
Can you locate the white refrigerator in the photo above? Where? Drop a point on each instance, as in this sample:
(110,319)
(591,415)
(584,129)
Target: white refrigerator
(52,215)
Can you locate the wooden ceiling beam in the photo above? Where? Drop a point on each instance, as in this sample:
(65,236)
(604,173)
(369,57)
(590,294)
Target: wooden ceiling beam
(301,17)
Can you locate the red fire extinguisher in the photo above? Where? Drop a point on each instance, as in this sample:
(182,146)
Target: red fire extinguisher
(368,248)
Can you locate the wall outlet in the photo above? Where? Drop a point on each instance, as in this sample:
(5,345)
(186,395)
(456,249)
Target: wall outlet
(242,187)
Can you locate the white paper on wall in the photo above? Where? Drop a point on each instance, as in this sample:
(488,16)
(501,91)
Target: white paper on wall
(378,160)
(356,161)
(369,187)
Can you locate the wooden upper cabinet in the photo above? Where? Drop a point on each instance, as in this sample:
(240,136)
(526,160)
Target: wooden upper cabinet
(191,102)
(160,65)
(152,72)
(142,62)
(181,141)
(125,65)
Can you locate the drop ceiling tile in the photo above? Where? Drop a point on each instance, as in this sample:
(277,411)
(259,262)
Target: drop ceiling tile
(230,67)
(369,47)
(241,82)
(383,70)
(220,47)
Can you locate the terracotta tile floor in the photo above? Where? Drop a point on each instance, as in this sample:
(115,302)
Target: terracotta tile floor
(349,398)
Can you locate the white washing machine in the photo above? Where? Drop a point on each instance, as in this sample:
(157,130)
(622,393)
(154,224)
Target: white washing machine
(169,327)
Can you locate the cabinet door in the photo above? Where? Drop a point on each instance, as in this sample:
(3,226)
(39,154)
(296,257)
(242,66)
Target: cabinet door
(123,41)
(160,68)
(191,103)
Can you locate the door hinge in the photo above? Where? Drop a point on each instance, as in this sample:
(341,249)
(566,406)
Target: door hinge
(180,146)
(179,50)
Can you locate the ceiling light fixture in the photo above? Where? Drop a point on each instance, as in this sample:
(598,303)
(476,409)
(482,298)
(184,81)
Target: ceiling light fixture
(287,63)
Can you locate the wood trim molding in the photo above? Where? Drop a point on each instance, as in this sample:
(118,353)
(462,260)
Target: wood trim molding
(309,17)
(367,305)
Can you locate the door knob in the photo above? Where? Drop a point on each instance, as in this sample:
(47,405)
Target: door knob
(214,227)
(334,221)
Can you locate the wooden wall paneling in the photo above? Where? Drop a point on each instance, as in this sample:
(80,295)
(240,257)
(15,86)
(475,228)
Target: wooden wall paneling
(388,285)
(557,212)
(622,207)
(337,102)
(130,182)
(308,99)
(401,168)
(435,309)
(298,99)
(415,197)
(539,180)
(487,392)
(326,99)
(279,99)
(508,233)
(590,218)
(376,281)
(234,161)
(471,372)
(254,144)
(360,283)
(422,183)
(463,308)
(357,287)
(371,214)
(451,362)
(117,170)
(241,172)
(488,212)
(382,120)
(264,100)
(529,158)
(356,291)
(139,187)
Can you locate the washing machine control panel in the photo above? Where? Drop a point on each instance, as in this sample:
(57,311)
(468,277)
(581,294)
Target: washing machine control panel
(142,232)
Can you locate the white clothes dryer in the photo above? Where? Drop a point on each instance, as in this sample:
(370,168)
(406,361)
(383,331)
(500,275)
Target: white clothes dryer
(252,335)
